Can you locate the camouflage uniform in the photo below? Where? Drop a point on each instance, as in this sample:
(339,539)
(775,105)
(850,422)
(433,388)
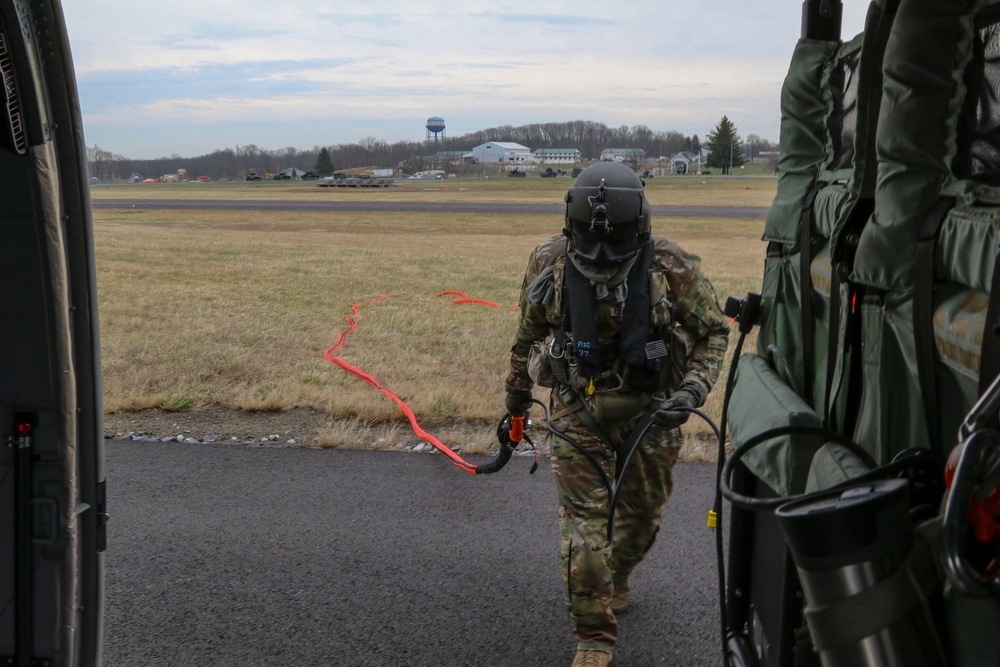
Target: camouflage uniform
(682,299)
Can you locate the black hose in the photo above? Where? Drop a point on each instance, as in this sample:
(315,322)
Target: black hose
(497,464)
(507,447)
(758,504)
(597,464)
(613,498)
(631,453)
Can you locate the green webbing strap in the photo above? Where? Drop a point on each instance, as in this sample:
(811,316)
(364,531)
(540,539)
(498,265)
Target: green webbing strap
(805,290)
(852,619)
(923,316)
(567,395)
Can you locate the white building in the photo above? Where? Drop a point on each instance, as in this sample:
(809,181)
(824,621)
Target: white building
(687,162)
(504,152)
(623,155)
(557,155)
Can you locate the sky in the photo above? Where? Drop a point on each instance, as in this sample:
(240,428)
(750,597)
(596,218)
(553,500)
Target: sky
(186,78)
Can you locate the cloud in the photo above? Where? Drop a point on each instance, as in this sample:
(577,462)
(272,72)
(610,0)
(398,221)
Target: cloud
(561,21)
(381,68)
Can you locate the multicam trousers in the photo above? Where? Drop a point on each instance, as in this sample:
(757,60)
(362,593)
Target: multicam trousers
(592,567)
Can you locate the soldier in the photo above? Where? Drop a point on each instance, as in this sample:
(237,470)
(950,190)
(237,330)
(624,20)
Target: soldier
(624,328)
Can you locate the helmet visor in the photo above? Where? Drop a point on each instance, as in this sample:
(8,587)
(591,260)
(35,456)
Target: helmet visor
(603,246)
(605,224)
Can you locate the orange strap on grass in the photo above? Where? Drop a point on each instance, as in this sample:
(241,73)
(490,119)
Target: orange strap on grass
(463,298)
(330,355)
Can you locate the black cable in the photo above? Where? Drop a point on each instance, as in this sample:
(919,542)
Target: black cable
(507,447)
(747,502)
(717,506)
(614,487)
(597,464)
(631,452)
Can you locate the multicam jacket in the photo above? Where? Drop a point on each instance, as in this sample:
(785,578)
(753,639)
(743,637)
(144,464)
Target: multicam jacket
(683,302)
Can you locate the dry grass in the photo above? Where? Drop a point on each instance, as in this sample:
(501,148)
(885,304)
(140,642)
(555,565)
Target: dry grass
(237,308)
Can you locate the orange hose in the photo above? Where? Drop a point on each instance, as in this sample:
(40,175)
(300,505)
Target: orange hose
(479,301)
(331,356)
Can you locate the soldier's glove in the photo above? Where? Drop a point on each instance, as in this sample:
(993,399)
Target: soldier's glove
(518,401)
(668,416)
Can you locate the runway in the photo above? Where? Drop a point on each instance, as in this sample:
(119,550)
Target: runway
(236,555)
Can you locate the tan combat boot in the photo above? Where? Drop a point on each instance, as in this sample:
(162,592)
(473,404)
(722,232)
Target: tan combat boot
(621,597)
(592,659)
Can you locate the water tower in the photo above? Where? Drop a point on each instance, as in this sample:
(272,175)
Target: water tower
(435,127)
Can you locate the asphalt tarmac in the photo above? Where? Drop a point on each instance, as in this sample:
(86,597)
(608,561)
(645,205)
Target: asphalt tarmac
(235,555)
(405,207)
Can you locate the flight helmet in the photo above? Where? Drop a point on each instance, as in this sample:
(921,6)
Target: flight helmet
(607,215)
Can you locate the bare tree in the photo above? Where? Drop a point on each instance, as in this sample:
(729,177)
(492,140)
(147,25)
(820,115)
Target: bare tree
(754,145)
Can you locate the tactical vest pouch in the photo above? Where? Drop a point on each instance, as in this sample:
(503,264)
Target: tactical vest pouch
(620,406)
(761,401)
(539,366)
(547,366)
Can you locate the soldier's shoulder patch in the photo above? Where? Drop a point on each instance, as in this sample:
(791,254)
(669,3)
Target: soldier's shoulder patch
(679,266)
(546,253)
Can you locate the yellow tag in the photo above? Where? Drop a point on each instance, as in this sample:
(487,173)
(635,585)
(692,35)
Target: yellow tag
(712,519)
(590,387)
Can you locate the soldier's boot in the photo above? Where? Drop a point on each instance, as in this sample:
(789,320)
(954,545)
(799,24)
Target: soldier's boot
(621,597)
(592,659)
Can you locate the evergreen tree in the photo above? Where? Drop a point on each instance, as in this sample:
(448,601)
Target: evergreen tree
(324,164)
(724,146)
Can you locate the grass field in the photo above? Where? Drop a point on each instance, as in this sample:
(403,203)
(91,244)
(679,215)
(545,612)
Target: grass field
(236,308)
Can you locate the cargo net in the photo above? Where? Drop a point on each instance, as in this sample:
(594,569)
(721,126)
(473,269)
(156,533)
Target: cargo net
(843,121)
(978,156)
(16,140)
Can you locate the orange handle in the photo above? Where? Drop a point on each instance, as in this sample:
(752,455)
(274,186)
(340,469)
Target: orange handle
(516,429)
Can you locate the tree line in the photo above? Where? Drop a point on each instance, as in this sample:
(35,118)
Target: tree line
(589,137)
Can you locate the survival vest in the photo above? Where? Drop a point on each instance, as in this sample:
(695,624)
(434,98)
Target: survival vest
(643,352)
